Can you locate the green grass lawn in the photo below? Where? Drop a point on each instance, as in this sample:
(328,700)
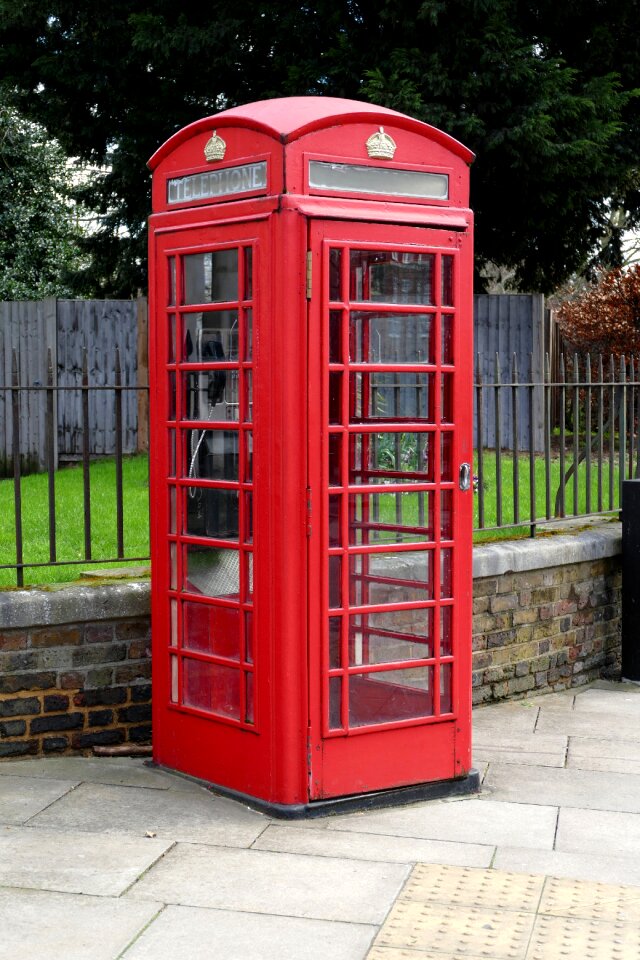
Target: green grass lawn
(70,519)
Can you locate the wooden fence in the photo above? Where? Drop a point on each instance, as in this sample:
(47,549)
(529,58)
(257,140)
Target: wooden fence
(64,332)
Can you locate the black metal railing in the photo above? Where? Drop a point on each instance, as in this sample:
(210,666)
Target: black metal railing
(14,418)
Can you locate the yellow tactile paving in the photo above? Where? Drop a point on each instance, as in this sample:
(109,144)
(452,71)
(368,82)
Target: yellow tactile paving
(466,913)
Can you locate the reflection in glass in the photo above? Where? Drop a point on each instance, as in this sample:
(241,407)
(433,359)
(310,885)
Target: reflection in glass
(248,518)
(171,264)
(212,572)
(173,607)
(446,410)
(378,578)
(392,635)
(211,277)
(446,572)
(446,635)
(248,634)
(335,397)
(335,581)
(335,650)
(390,396)
(248,273)
(389,695)
(446,699)
(385,276)
(447,338)
(447,280)
(212,512)
(173,566)
(390,457)
(171,345)
(390,518)
(335,336)
(210,395)
(211,454)
(335,274)
(172,452)
(390,337)
(446,457)
(335,531)
(171,404)
(172,509)
(211,687)
(335,703)
(173,661)
(249,699)
(248,396)
(248,456)
(335,459)
(446,515)
(248,576)
(248,334)
(211,629)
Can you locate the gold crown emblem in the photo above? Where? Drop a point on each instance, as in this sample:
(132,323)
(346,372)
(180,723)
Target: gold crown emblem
(380,146)
(214,148)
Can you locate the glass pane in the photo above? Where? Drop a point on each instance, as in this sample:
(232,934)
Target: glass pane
(446,671)
(390,337)
(388,636)
(335,397)
(355,178)
(447,280)
(248,335)
(335,459)
(211,513)
(390,396)
(248,273)
(211,687)
(212,572)
(248,635)
(172,509)
(211,277)
(390,457)
(248,396)
(377,578)
(173,613)
(171,404)
(173,566)
(248,518)
(209,629)
(248,573)
(172,452)
(390,518)
(248,456)
(335,581)
(385,276)
(446,515)
(171,345)
(210,337)
(210,395)
(335,531)
(335,274)
(447,338)
(171,264)
(335,336)
(446,414)
(335,703)
(446,457)
(446,635)
(211,454)
(173,661)
(249,699)
(390,695)
(446,572)
(335,650)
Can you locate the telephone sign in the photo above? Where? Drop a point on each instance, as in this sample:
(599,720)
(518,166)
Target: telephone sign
(311,371)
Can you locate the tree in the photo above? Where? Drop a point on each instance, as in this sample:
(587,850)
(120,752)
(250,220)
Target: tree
(543,93)
(38,229)
(606,317)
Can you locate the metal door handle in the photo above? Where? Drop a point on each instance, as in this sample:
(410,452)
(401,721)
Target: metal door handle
(465,476)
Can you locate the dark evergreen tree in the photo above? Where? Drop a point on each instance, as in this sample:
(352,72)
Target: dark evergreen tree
(544,93)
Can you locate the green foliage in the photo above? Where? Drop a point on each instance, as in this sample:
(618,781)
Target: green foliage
(38,231)
(544,93)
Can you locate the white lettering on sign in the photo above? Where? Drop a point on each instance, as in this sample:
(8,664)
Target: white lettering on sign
(218,183)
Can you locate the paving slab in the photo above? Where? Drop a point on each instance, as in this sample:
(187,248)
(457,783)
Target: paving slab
(473,820)
(599,748)
(591,789)
(71,862)
(516,718)
(171,815)
(600,831)
(121,771)
(204,934)
(22,797)
(322,888)
(367,846)
(624,701)
(584,723)
(576,866)
(39,925)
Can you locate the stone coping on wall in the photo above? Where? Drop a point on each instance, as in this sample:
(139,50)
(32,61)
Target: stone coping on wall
(73,603)
(594,542)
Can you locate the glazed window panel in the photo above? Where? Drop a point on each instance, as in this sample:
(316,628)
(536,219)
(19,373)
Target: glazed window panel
(211,454)
(389,695)
(213,572)
(211,687)
(210,395)
(211,512)
(398,577)
(391,338)
(385,276)
(376,518)
(212,630)
(392,635)
(211,277)
(391,457)
(391,396)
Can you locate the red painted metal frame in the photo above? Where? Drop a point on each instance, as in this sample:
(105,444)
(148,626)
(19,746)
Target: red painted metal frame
(287,753)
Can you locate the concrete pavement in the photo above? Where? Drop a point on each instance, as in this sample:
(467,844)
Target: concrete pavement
(107,859)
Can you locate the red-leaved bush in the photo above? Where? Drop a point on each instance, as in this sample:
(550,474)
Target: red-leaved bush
(605,319)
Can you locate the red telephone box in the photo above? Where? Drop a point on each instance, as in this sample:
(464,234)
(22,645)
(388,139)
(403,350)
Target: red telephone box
(311,367)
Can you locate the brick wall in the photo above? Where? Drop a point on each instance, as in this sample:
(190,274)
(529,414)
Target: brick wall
(75,663)
(539,628)
(74,669)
